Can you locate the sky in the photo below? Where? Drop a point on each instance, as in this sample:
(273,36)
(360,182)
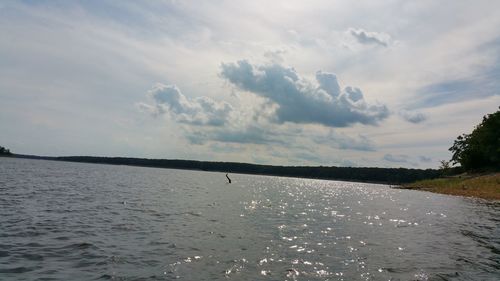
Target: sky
(334,83)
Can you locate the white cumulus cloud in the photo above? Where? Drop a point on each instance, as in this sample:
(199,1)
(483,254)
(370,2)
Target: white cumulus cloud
(301,101)
(197,111)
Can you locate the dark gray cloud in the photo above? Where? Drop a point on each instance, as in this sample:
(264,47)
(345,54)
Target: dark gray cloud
(369,38)
(301,101)
(401,158)
(197,111)
(413,116)
(218,122)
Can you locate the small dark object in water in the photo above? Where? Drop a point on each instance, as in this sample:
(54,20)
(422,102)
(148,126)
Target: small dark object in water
(228,178)
(292,272)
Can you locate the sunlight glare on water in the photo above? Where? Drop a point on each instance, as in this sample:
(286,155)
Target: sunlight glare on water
(83,222)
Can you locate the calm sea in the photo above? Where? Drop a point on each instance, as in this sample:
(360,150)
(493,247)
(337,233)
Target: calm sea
(74,221)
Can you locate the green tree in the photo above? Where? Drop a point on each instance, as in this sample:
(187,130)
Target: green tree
(4,151)
(480,149)
(444,167)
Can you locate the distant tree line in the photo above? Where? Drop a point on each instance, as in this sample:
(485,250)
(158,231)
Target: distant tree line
(377,175)
(381,175)
(479,150)
(4,151)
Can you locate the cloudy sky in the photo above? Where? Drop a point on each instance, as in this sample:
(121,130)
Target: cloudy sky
(344,83)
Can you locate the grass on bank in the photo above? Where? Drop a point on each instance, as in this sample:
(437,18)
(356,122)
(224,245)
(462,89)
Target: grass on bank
(480,186)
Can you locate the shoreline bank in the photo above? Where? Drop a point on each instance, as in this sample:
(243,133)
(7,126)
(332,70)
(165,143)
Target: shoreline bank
(477,186)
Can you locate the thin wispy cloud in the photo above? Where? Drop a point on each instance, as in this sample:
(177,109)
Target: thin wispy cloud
(370,38)
(413,116)
(342,141)
(425,159)
(401,158)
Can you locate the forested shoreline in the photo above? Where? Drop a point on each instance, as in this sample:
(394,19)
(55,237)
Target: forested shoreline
(362,174)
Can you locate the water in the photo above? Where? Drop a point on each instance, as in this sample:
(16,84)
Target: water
(74,221)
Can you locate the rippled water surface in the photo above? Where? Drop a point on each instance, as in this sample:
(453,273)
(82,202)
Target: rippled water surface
(73,221)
